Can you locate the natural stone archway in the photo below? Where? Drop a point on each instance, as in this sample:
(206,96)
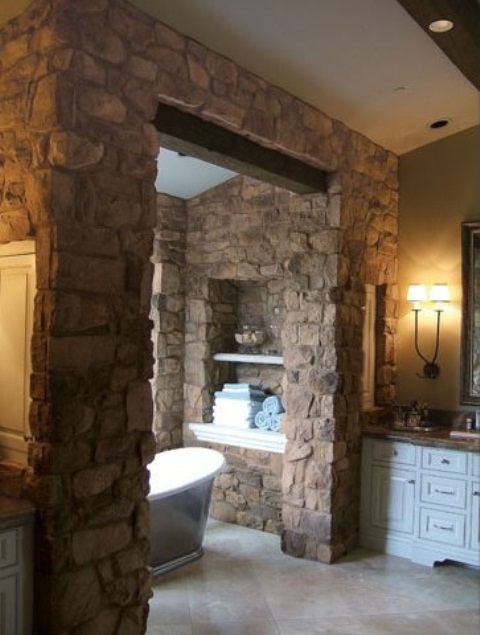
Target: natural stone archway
(79,86)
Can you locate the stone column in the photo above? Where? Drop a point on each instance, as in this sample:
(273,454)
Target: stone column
(79,171)
(168,314)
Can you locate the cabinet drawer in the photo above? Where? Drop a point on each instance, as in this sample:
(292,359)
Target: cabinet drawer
(444,460)
(443,491)
(8,548)
(441,526)
(394,452)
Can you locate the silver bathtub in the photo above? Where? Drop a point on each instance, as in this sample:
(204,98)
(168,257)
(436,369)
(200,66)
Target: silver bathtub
(181,484)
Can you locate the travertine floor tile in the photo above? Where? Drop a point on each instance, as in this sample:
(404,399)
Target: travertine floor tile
(236,628)
(245,585)
(446,623)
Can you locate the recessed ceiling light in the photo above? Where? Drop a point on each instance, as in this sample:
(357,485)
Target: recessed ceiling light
(439,123)
(440,26)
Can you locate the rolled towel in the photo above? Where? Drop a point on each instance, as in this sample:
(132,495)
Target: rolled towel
(262,420)
(272,405)
(276,422)
(243,388)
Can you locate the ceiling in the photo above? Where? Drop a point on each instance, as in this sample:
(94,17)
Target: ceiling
(367,63)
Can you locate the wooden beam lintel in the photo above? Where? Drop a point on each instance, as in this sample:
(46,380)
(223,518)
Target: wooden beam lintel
(193,136)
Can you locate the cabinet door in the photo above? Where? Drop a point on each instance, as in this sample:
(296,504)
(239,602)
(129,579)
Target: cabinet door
(475,526)
(8,605)
(392,497)
(17,287)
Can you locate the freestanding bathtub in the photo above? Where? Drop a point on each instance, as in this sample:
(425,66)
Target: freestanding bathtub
(181,484)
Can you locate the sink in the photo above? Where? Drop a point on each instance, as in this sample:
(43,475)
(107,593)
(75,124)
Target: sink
(465,434)
(425,427)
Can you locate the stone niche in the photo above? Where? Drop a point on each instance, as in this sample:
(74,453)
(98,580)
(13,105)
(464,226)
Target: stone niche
(248,492)
(229,305)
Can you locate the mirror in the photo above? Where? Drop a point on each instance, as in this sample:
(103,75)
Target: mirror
(470,352)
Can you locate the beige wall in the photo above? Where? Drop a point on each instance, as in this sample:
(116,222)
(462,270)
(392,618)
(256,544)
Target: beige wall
(439,189)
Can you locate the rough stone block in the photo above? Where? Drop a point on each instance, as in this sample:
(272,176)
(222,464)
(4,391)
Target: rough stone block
(77,597)
(139,407)
(293,543)
(94,544)
(68,150)
(95,480)
(82,273)
(105,622)
(82,352)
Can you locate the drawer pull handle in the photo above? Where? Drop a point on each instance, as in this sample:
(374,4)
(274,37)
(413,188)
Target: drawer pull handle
(443,528)
(445,461)
(412,481)
(394,453)
(444,491)
(476,492)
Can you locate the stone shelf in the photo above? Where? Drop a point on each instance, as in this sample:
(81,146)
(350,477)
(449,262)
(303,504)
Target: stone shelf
(251,438)
(243,358)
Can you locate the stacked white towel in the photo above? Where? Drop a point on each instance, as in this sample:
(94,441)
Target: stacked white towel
(237,404)
(270,417)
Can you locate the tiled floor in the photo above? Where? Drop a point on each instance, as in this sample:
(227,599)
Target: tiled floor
(244,585)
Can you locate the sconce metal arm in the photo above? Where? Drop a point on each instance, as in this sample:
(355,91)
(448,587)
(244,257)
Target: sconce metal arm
(431,368)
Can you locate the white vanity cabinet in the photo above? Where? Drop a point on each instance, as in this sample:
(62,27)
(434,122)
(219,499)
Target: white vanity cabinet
(388,496)
(475,497)
(430,507)
(16,570)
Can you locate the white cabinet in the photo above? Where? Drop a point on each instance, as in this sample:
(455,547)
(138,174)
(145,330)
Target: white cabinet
(17,290)
(392,499)
(388,496)
(16,580)
(420,502)
(475,529)
(445,507)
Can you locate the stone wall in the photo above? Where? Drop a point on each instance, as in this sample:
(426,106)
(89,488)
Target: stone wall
(79,85)
(249,491)
(168,315)
(77,169)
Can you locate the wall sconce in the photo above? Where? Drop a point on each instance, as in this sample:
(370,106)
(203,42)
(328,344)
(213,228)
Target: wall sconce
(438,295)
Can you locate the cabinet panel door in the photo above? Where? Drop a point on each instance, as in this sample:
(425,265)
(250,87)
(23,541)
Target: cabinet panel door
(17,288)
(8,605)
(8,548)
(393,499)
(475,527)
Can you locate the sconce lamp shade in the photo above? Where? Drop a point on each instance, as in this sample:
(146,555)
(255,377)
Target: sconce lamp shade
(440,293)
(416,293)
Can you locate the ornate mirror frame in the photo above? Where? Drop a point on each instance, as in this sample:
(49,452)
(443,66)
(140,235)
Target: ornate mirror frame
(470,348)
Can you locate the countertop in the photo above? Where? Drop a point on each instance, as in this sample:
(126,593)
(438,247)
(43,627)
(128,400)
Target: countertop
(15,511)
(437,438)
